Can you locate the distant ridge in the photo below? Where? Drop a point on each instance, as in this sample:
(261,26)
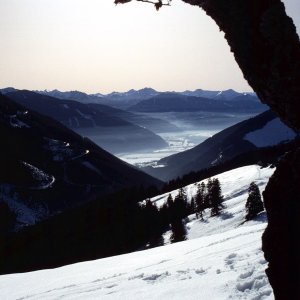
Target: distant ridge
(132,96)
(174,102)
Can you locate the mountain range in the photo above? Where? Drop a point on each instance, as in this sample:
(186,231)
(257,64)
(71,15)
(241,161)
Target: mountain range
(132,97)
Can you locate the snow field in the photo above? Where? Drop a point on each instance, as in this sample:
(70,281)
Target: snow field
(279,133)
(221,260)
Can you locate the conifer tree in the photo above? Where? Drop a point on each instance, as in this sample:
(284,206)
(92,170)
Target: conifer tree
(164,212)
(178,231)
(200,200)
(216,197)
(170,201)
(192,206)
(151,216)
(180,206)
(177,210)
(254,204)
(208,194)
(167,210)
(182,194)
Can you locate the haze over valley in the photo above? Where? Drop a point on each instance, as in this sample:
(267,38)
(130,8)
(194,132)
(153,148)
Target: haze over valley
(143,126)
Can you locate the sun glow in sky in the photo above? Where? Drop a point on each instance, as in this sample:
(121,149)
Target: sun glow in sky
(95,46)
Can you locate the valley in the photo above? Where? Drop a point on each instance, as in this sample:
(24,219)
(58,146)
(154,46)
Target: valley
(193,129)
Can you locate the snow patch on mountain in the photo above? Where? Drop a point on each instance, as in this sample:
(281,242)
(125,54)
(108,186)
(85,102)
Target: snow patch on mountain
(273,133)
(87,117)
(25,215)
(42,179)
(16,122)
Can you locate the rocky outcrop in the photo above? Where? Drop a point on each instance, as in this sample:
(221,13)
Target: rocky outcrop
(281,240)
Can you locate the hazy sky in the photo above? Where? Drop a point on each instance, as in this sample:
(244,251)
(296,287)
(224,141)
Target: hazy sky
(95,46)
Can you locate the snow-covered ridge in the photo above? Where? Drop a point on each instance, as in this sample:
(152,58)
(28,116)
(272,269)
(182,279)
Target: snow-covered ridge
(273,133)
(232,182)
(222,260)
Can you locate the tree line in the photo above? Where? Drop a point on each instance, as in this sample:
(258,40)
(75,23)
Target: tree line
(110,226)
(209,196)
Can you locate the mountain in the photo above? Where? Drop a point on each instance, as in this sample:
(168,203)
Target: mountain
(156,125)
(7,90)
(71,95)
(142,94)
(173,102)
(46,168)
(263,130)
(129,98)
(217,95)
(221,259)
(109,131)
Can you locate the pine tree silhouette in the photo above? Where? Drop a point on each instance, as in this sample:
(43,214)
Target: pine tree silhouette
(215,197)
(254,204)
(178,231)
(180,206)
(192,208)
(200,200)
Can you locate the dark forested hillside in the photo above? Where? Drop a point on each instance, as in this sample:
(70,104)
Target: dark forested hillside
(46,168)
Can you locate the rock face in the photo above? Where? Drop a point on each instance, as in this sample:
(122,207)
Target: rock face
(281,242)
(266,47)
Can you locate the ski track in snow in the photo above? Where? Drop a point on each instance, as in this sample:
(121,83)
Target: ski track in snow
(221,260)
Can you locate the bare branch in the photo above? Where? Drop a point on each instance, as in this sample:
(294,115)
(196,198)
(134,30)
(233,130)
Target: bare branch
(158,4)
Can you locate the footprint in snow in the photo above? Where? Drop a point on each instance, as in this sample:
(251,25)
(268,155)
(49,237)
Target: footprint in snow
(200,271)
(246,274)
(139,276)
(110,286)
(257,285)
(230,260)
(154,277)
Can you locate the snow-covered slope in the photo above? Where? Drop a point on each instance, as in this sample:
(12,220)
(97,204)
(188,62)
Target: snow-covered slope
(222,260)
(273,133)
